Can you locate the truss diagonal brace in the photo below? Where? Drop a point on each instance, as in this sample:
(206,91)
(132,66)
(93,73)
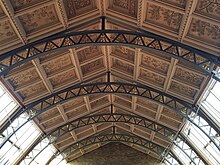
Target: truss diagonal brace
(144,40)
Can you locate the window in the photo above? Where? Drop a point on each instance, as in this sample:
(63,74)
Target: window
(8,105)
(211,101)
(18,143)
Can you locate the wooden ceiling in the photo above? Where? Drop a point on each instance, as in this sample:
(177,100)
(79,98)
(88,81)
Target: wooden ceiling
(193,22)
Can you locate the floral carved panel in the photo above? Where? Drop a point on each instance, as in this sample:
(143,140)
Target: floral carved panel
(6,32)
(57,64)
(88,53)
(154,64)
(20,4)
(92,66)
(39,19)
(189,77)
(23,78)
(163,17)
(152,78)
(180,89)
(77,7)
(33,90)
(209,8)
(179,3)
(63,78)
(123,67)
(128,7)
(205,31)
(124,53)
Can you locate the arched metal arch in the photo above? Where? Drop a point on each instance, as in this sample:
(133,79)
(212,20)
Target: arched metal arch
(133,119)
(113,137)
(144,40)
(56,133)
(44,104)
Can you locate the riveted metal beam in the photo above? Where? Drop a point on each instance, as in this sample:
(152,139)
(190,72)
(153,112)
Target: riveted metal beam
(138,39)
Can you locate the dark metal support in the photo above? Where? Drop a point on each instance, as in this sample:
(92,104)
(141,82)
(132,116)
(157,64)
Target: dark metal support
(58,132)
(103,22)
(36,108)
(144,40)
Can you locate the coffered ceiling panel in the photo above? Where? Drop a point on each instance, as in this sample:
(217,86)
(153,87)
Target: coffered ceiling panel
(190,22)
(7,33)
(39,19)
(205,31)
(163,17)
(75,8)
(128,7)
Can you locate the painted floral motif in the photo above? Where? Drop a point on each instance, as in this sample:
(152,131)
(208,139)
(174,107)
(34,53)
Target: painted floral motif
(155,64)
(88,53)
(208,7)
(19,4)
(124,53)
(63,78)
(92,66)
(40,18)
(123,67)
(58,64)
(205,30)
(6,31)
(33,90)
(75,7)
(163,16)
(152,77)
(183,90)
(24,78)
(179,3)
(188,77)
(125,6)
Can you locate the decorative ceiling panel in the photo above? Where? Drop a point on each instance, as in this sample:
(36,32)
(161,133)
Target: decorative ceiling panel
(142,133)
(21,4)
(152,78)
(89,53)
(188,77)
(178,3)
(64,78)
(169,122)
(145,112)
(100,102)
(24,78)
(39,19)
(93,67)
(163,17)
(123,53)
(127,7)
(33,91)
(75,113)
(147,103)
(208,8)
(205,31)
(155,64)
(7,33)
(172,114)
(55,66)
(122,66)
(77,7)
(180,90)
(72,104)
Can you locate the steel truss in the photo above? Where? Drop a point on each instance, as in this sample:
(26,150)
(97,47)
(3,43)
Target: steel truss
(36,108)
(102,137)
(167,133)
(143,39)
(133,119)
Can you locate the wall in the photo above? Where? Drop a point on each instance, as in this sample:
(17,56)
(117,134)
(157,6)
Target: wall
(114,154)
